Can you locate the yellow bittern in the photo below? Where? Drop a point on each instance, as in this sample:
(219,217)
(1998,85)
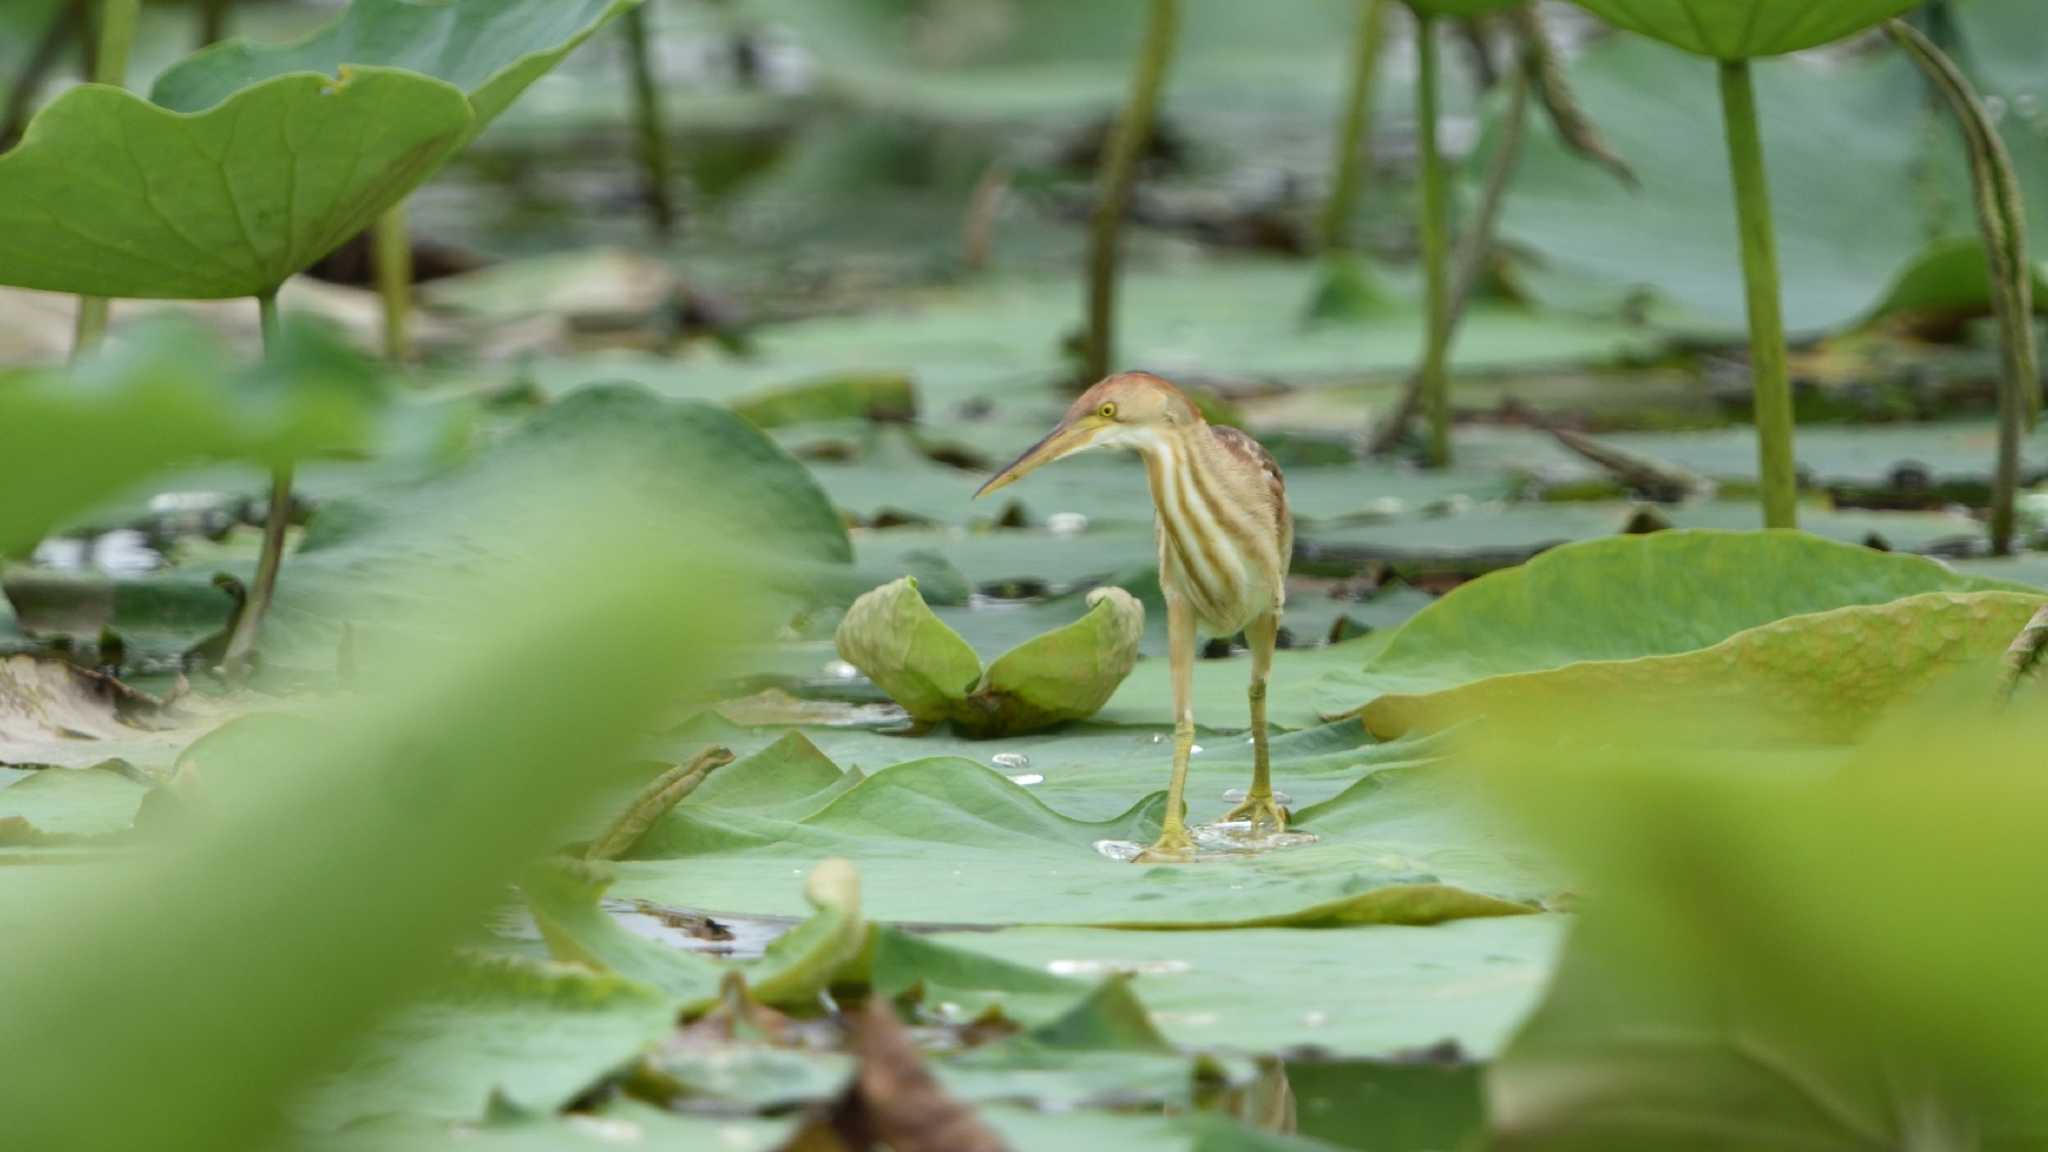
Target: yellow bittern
(1225,538)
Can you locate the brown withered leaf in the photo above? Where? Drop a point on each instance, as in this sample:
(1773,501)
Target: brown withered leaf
(893,1100)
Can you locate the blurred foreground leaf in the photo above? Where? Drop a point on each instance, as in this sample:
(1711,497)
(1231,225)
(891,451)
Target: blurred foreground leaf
(329,863)
(1778,952)
(167,394)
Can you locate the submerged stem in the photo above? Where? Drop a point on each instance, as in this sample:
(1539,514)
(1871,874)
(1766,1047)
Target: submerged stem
(1773,389)
(249,621)
(647,123)
(2002,220)
(110,66)
(1354,138)
(1436,385)
(1119,172)
(393,263)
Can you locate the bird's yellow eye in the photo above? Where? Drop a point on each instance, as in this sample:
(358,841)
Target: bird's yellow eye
(1107,411)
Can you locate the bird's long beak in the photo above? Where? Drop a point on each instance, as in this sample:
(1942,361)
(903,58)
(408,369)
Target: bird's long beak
(1070,437)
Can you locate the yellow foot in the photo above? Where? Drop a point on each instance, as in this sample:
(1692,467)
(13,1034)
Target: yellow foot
(1174,846)
(1262,812)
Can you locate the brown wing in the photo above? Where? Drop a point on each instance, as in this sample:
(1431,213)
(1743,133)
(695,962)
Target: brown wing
(1245,448)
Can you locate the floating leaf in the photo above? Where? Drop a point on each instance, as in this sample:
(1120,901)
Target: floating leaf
(1821,677)
(948,840)
(1626,597)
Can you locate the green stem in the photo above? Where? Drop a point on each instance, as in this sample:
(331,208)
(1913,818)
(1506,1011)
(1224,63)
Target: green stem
(1119,173)
(393,263)
(647,123)
(2002,221)
(1436,385)
(110,66)
(276,522)
(1354,138)
(1760,281)
(213,21)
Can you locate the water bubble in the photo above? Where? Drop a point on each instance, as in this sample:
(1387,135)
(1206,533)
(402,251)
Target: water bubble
(841,670)
(1027,779)
(1159,738)
(1010,760)
(1194,749)
(1237,838)
(1066,523)
(1315,1019)
(1239,796)
(1121,851)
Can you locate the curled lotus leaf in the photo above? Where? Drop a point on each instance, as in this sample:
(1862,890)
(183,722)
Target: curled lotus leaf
(1742,29)
(893,637)
(1069,673)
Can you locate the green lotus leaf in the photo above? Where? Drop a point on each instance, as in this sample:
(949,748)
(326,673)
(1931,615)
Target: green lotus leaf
(1066,674)
(168,396)
(490,49)
(1742,29)
(1632,597)
(564,895)
(1819,678)
(111,195)
(250,163)
(924,666)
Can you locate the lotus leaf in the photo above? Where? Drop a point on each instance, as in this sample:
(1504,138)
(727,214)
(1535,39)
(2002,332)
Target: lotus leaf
(1742,29)
(248,164)
(1066,674)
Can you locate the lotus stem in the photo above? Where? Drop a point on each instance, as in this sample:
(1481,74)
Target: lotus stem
(1474,251)
(647,122)
(1354,137)
(393,265)
(1120,159)
(1436,385)
(2002,218)
(66,21)
(2023,656)
(213,21)
(1773,389)
(110,66)
(654,801)
(276,522)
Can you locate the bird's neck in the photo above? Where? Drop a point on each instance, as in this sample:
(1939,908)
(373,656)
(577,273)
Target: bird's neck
(1170,452)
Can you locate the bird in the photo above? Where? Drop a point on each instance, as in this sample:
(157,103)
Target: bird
(1225,538)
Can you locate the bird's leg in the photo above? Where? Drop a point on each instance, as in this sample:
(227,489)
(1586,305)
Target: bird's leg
(1174,843)
(1260,809)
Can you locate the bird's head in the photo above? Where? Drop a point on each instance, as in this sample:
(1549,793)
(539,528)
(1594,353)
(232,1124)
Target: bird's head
(1129,409)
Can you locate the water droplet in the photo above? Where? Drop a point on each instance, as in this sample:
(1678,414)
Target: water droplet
(1159,738)
(841,670)
(1010,760)
(1066,523)
(1121,851)
(1194,750)
(1027,779)
(1238,796)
